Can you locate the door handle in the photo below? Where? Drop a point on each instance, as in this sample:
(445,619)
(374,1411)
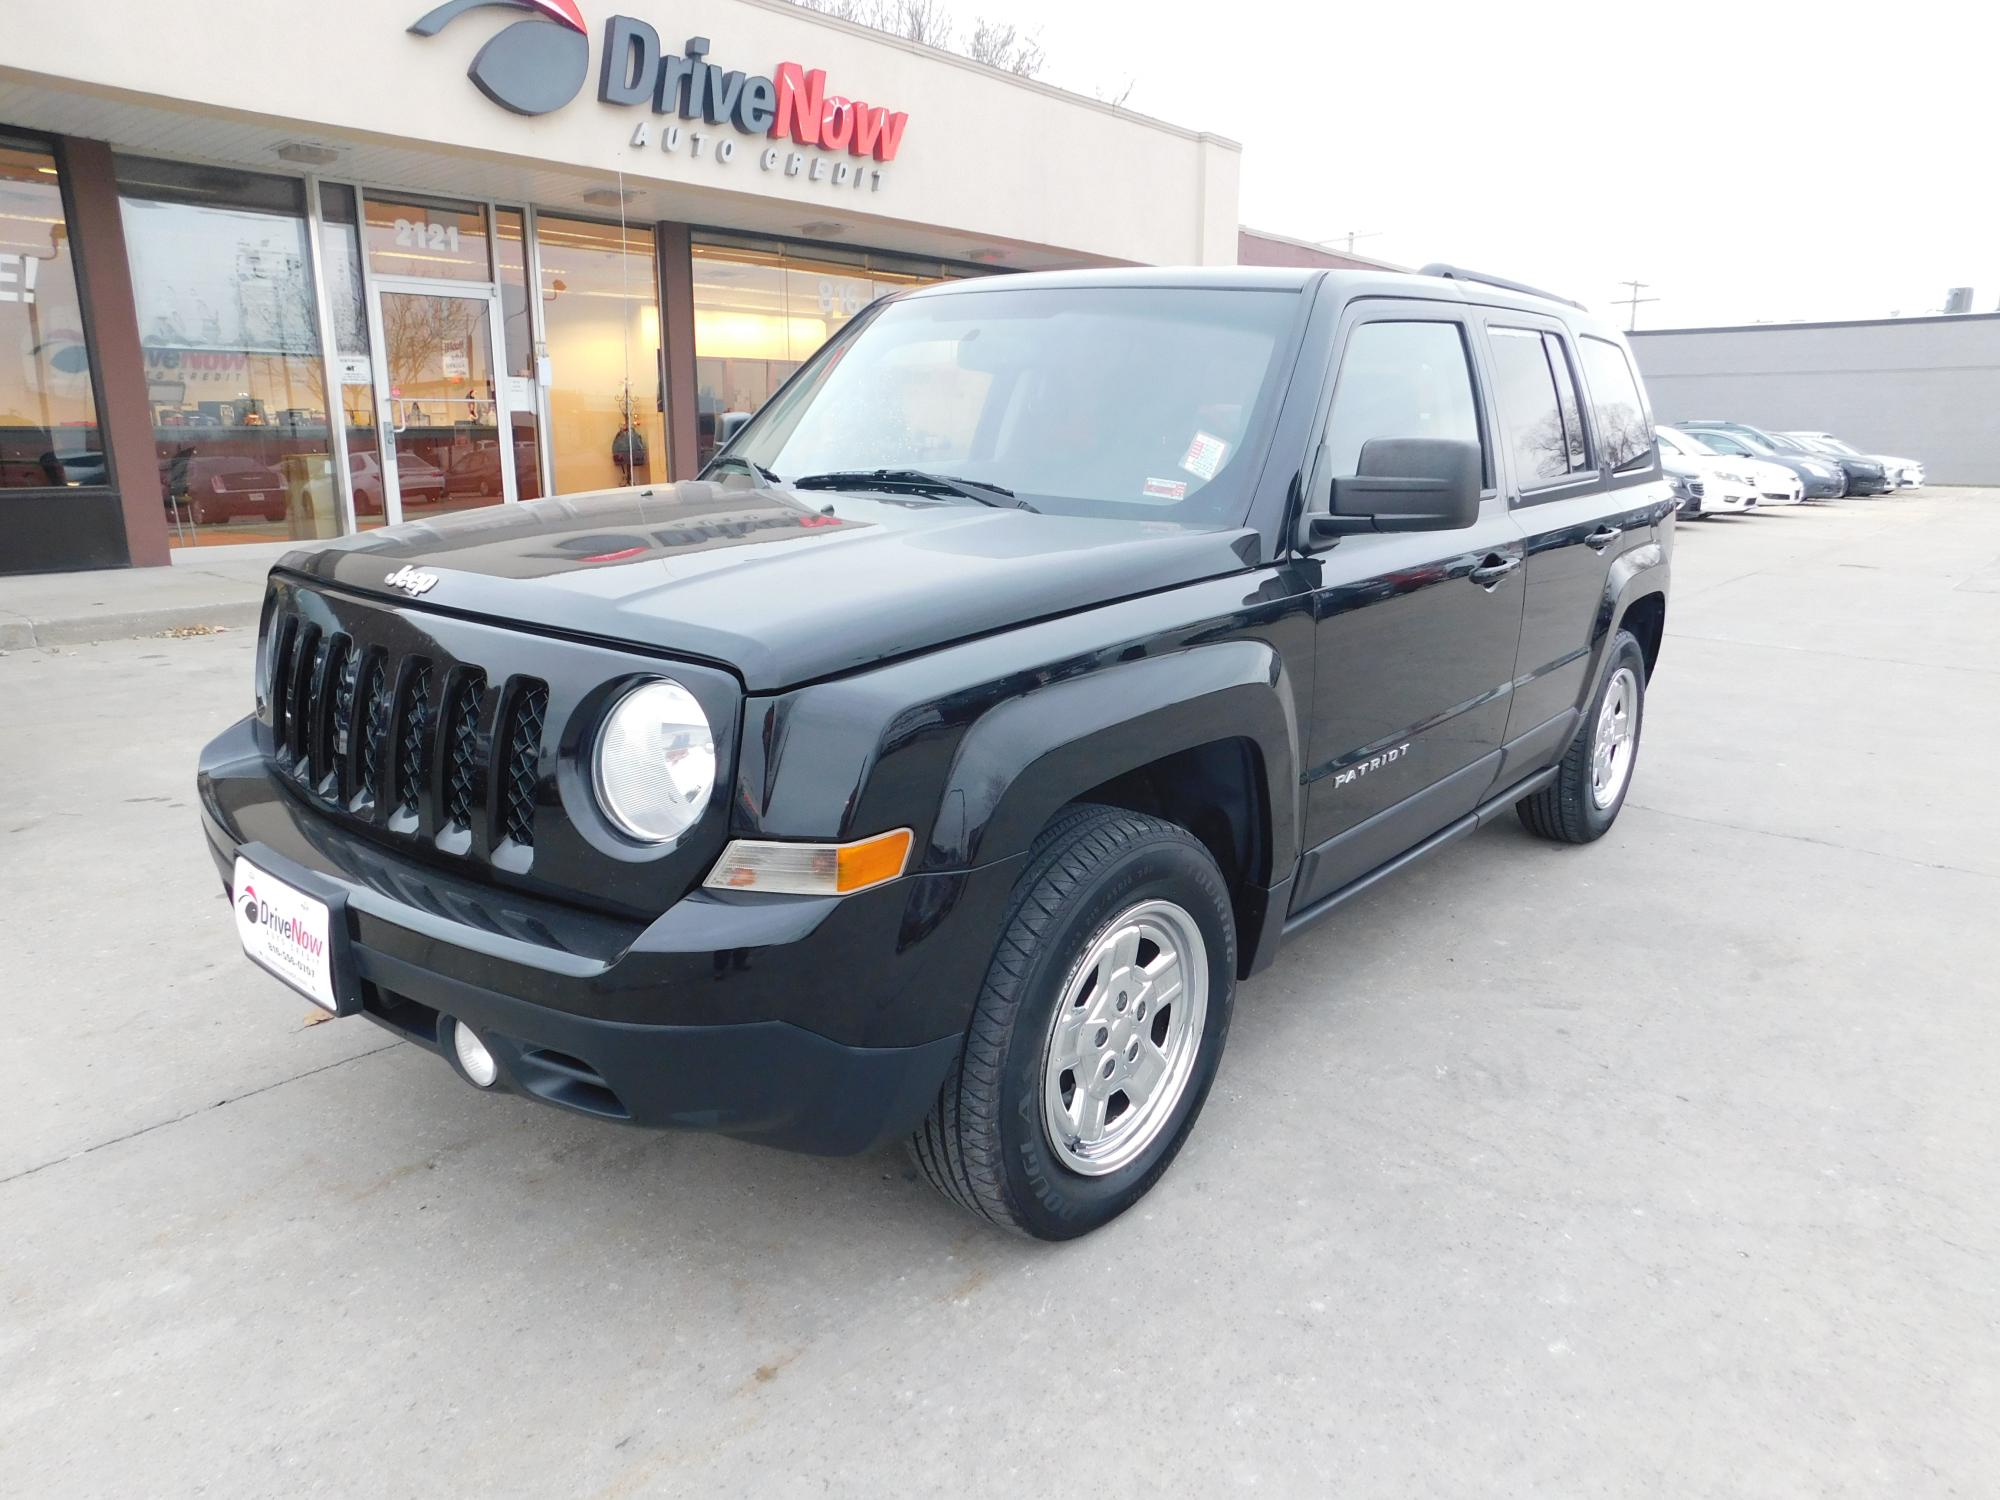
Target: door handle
(1603,537)
(1494,569)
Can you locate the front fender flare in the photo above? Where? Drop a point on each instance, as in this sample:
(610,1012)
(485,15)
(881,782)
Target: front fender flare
(1021,761)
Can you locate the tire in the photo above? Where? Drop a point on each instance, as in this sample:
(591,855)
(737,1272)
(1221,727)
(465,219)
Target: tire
(1095,877)
(1579,805)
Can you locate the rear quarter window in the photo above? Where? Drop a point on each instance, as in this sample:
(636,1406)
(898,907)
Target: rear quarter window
(1624,432)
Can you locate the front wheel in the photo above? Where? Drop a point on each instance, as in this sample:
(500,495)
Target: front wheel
(1096,1033)
(1583,800)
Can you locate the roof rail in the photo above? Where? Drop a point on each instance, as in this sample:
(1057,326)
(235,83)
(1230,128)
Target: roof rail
(1459,273)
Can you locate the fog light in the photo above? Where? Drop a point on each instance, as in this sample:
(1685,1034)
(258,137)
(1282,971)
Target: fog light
(472,1055)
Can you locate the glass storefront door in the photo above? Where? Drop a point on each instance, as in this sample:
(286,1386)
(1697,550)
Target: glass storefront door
(443,410)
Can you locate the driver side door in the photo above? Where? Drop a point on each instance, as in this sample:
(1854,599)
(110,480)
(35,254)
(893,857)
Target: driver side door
(1415,633)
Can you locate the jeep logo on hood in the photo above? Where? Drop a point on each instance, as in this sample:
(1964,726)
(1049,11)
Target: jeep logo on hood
(413,581)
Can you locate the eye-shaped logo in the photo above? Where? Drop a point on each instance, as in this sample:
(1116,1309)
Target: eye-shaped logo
(531,67)
(250,905)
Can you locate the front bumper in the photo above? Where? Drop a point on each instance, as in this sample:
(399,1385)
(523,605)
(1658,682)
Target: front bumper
(813,1024)
(1824,487)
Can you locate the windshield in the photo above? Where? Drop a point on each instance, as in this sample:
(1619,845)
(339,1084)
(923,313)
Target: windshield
(1140,402)
(1684,442)
(1749,443)
(1834,445)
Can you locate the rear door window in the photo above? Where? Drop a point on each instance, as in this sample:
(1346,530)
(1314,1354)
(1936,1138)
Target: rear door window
(1531,411)
(1579,453)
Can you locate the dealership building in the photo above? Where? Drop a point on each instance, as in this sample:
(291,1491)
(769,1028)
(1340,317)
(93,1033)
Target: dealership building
(297,270)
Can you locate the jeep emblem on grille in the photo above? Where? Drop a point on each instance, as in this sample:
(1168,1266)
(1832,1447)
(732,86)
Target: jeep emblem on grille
(415,580)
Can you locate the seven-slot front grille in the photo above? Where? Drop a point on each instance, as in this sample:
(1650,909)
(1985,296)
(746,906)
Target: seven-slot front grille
(380,735)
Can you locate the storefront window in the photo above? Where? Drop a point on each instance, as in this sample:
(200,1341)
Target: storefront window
(223,285)
(340,263)
(48,410)
(518,341)
(440,241)
(759,314)
(601,315)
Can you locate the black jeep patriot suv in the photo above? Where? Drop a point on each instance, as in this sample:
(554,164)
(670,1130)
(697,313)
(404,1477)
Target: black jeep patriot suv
(938,763)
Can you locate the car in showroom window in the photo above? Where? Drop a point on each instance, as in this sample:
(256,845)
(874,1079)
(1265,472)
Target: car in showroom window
(1144,403)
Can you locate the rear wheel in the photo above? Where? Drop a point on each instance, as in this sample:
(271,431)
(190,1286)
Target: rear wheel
(1589,788)
(1097,1030)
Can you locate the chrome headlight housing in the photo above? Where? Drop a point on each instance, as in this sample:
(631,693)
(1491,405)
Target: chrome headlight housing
(653,768)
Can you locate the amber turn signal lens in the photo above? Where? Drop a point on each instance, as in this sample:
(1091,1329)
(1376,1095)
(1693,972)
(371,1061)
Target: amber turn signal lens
(872,861)
(790,869)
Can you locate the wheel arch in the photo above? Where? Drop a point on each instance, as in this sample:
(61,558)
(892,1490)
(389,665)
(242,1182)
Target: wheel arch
(1635,598)
(1218,792)
(1209,732)
(1646,618)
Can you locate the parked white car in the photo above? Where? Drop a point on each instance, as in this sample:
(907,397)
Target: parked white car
(1908,473)
(1730,483)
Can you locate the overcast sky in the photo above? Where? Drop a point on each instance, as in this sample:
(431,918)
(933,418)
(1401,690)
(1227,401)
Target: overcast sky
(1750,161)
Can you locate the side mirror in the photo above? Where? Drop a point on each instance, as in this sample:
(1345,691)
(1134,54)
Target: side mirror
(1406,484)
(729,424)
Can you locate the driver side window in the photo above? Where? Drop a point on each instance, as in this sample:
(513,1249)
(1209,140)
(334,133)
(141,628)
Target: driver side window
(1400,380)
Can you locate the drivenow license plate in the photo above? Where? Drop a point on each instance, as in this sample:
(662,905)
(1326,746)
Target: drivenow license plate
(291,933)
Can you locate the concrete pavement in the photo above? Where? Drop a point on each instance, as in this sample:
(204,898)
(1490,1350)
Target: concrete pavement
(204,586)
(1658,1167)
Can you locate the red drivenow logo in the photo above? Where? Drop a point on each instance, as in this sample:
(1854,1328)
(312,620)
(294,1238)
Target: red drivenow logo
(259,913)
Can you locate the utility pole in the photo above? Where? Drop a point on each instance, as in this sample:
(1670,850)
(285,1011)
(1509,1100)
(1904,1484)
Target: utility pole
(1633,301)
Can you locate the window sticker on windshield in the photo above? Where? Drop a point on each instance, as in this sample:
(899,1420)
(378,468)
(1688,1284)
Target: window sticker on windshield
(1164,489)
(1204,455)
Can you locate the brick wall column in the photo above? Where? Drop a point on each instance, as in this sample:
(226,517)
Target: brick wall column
(111,317)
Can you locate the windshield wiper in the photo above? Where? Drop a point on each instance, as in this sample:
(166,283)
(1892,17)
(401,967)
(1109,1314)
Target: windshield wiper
(912,479)
(755,468)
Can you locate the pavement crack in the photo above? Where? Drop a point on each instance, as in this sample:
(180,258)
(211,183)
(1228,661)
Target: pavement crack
(131,1135)
(1806,838)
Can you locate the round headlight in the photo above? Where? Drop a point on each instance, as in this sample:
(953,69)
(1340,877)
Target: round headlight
(655,762)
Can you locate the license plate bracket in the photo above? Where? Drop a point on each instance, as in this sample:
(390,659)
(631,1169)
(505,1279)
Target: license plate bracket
(295,926)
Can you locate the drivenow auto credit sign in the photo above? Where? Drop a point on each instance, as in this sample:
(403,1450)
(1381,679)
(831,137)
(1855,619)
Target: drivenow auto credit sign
(787,121)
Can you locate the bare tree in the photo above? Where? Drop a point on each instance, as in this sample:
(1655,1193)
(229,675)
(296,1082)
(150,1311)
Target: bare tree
(1000,45)
(925,21)
(1117,100)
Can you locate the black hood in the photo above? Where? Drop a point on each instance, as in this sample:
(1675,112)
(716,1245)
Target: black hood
(781,587)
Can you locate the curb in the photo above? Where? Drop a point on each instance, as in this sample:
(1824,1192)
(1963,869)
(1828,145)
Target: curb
(20,634)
